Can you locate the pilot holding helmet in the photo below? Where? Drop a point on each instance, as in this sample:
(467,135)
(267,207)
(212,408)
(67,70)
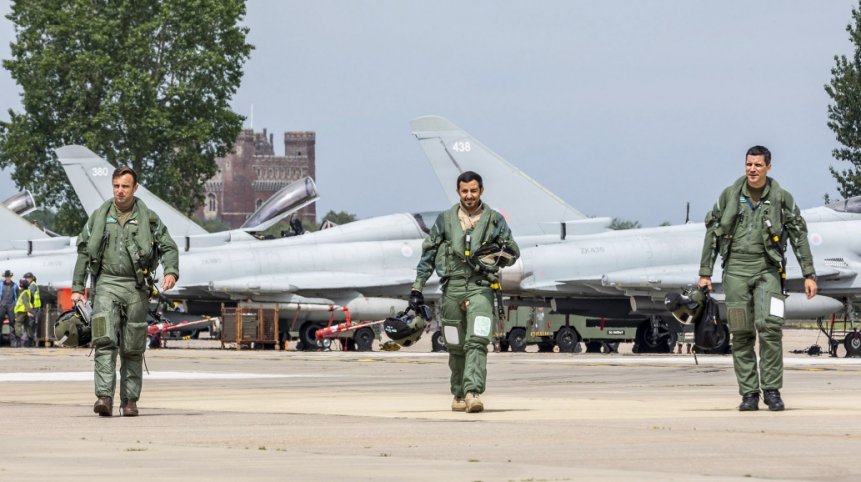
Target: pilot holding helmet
(468,283)
(748,227)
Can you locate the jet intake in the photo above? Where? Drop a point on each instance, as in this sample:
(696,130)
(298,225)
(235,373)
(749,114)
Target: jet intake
(510,277)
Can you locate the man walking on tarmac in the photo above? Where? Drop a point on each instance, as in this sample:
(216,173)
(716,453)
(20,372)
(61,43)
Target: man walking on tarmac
(120,248)
(8,297)
(749,227)
(468,285)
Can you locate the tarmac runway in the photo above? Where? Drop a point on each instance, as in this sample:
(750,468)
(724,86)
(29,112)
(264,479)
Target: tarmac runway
(211,414)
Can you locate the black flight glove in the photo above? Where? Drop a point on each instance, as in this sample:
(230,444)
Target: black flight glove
(416,300)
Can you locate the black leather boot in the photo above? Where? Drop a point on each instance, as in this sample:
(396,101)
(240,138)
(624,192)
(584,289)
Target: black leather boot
(749,402)
(773,400)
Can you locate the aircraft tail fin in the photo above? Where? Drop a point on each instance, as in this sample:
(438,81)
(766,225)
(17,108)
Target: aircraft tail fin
(90,176)
(529,207)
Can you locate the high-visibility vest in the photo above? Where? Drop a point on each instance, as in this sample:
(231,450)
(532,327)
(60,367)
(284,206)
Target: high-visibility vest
(37,300)
(19,305)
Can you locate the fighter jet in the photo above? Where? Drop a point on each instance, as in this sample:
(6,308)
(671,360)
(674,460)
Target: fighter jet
(90,177)
(365,266)
(605,270)
(605,273)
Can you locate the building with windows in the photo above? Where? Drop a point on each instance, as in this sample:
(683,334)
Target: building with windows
(251,173)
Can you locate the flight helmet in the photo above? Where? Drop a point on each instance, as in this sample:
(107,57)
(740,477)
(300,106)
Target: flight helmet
(687,306)
(491,257)
(71,329)
(407,327)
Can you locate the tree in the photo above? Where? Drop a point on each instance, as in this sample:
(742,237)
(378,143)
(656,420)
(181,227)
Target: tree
(44,218)
(619,224)
(140,82)
(213,225)
(340,217)
(844,115)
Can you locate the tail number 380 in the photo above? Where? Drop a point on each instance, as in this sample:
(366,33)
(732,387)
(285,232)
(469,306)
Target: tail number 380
(100,171)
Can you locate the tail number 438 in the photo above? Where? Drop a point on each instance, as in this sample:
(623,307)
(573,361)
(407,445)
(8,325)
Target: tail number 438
(461,146)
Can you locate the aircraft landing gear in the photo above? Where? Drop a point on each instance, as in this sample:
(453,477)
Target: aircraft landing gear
(853,344)
(653,336)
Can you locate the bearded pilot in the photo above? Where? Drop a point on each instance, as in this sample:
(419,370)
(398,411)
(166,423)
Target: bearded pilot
(467,285)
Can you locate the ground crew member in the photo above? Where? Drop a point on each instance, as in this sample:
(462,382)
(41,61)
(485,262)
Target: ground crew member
(467,295)
(749,227)
(119,248)
(23,314)
(36,300)
(8,297)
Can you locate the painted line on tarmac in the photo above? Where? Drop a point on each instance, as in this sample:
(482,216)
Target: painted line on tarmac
(668,360)
(88,376)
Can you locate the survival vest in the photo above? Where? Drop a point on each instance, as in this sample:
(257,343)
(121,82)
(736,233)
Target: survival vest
(777,204)
(142,250)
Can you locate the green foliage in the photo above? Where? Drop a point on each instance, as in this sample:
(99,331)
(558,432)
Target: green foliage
(619,224)
(340,217)
(44,218)
(213,225)
(665,223)
(140,82)
(279,228)
(310,225)
(844,114)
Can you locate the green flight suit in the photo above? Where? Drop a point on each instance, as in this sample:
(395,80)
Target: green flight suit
(466,311)
(737,230)
(118,258)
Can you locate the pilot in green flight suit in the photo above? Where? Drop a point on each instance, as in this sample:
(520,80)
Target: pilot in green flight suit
(749,227)
(467,293)
(120,247)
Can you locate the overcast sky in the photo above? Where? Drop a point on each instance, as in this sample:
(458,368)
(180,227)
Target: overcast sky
(623,108)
